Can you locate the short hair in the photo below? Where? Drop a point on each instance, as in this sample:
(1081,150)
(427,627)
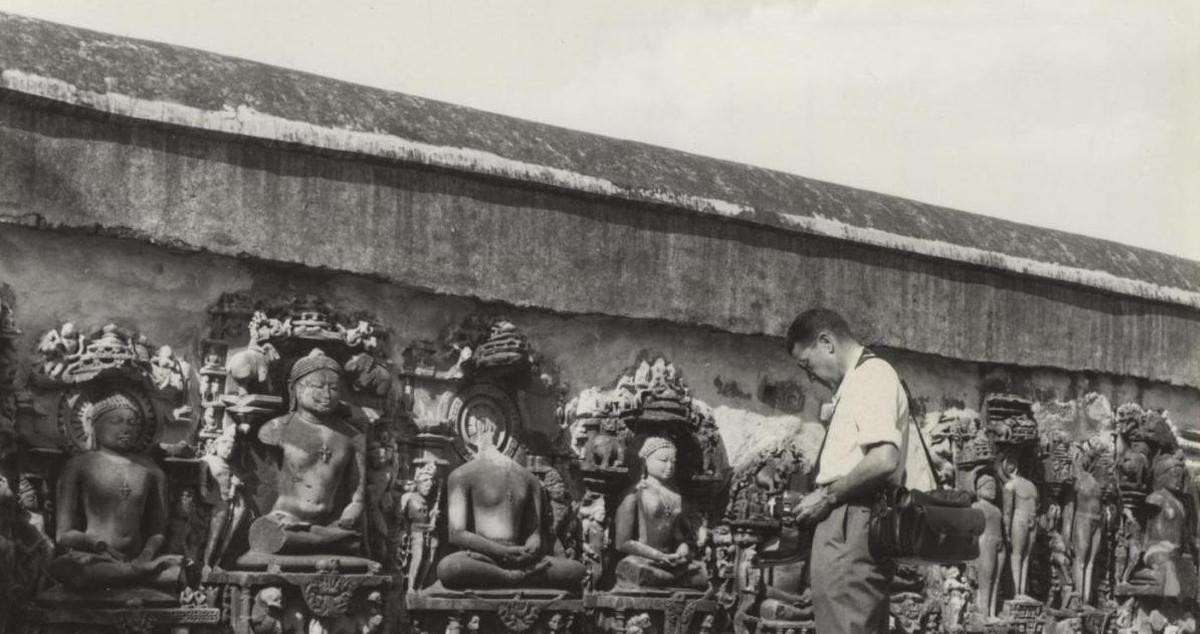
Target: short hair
(810,323)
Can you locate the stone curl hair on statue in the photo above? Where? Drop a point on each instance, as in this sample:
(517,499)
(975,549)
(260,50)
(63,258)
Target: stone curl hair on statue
(106,405)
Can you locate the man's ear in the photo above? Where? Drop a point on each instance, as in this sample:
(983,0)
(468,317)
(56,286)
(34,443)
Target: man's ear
(825,338)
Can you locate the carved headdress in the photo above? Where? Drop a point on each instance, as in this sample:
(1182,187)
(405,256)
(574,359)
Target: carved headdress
(653,444)
(107,405)
(426,471)
(316,360)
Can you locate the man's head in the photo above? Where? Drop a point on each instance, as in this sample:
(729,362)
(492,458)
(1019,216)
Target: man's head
(819,340)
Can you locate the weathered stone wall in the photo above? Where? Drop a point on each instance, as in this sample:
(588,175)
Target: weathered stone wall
(471,236)
(754,387)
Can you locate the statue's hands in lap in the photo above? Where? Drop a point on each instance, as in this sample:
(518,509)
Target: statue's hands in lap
(350,516)
(519,556)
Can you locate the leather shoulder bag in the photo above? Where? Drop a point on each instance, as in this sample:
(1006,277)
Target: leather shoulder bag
(924,527)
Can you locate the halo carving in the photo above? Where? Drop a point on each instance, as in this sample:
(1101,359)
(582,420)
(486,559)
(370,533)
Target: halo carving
(475,405)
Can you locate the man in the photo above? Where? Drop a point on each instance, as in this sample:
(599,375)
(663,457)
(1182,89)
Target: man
(864,442)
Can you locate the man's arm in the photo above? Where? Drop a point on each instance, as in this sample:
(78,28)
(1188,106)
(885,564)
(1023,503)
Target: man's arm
(879,462)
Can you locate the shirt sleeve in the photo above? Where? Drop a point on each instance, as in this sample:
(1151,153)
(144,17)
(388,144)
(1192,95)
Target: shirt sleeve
(880,406)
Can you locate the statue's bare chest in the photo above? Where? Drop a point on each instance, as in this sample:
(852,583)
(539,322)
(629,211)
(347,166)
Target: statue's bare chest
(660,505)
(500,489)
(306,446)
(117,483)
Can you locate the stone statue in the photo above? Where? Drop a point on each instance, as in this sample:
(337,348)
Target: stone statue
(322,461)
(211,374)
(266,615)
(494,515)
(1083,522)
(1166,532)
(992,546)
(954,597)
(186,527)
(32,506)
(60,348)
(112,508)
(652,529)
(1020,519)
(562,521)
(417,515)
(250,368)
(224,491)
(382,465)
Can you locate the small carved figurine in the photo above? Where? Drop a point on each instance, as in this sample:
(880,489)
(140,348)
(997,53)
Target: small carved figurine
(267,611)
(250,368)
(222,489)
(1083,521)
(59,348)
(1020,519)
(992,551)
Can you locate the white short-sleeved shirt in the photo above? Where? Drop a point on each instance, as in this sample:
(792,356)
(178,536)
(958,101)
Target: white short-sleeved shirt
(870,407)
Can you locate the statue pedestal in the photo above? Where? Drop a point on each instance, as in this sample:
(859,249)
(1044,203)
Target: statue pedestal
(124,609)
(1023,614)
(671,611)
(329,597)
(495,610)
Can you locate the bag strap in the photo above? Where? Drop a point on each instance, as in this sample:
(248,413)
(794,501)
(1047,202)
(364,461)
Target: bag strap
(866,355)
(914,424)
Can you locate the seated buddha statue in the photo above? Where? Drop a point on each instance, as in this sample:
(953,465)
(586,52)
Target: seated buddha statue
(494,514)
(652,527)
(321,465)
(111,509)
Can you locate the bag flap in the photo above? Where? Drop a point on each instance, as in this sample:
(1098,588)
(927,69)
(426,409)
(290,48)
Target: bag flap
(943,498)
(954,520)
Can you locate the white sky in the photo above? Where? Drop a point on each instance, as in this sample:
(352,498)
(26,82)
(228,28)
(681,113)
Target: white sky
(1078,115)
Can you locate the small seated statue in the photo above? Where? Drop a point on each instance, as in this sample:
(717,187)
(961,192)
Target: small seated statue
(494,514)
(322,462)
(652,529)
(1165,531)
(111,511)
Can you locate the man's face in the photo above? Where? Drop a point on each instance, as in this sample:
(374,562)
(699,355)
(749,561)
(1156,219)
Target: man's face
(318,392)
(117,430)
(819,359)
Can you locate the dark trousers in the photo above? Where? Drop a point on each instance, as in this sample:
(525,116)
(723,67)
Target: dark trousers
(849,588)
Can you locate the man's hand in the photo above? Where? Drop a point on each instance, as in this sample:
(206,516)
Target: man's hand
(813,508)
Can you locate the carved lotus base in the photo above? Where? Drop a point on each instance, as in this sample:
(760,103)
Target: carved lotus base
(434,609)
